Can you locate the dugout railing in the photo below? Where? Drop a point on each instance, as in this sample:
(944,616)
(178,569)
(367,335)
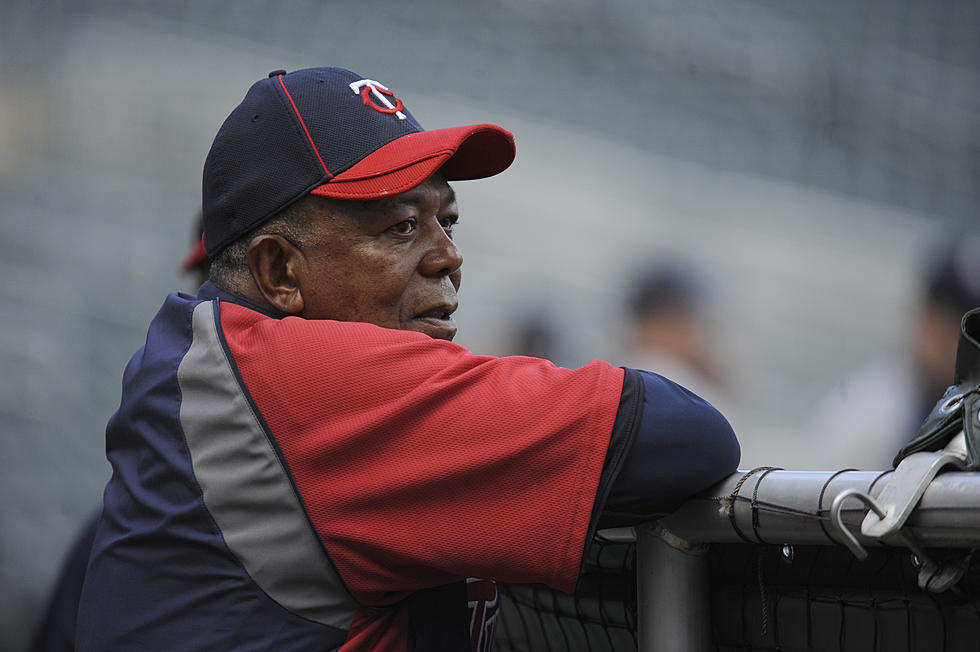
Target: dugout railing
(772,560)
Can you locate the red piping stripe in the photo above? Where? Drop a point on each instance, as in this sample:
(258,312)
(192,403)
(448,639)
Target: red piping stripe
(308,136)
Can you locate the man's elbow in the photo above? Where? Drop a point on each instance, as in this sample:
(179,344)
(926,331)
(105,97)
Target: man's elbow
(721,450)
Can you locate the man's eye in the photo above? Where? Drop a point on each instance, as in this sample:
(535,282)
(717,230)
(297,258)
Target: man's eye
(404,228)
(449,222)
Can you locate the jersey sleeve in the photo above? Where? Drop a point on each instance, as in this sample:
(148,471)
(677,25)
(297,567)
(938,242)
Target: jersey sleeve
(682,446)
(420,463)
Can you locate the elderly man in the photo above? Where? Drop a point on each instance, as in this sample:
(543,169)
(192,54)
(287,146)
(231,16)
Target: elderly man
(302,458)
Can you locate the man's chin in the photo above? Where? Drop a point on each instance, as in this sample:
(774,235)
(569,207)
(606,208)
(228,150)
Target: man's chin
(436,328)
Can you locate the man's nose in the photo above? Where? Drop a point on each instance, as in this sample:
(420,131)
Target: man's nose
(443,256)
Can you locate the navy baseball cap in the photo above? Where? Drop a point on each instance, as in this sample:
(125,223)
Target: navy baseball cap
(334,133)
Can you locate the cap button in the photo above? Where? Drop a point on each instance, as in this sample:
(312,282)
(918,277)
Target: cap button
(276,73)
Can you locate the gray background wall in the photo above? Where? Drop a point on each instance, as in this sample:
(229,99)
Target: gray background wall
(803,153)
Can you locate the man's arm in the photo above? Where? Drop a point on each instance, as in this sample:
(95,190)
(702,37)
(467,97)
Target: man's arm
(682,445)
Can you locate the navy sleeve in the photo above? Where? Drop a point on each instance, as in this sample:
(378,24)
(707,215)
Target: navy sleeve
(681,445)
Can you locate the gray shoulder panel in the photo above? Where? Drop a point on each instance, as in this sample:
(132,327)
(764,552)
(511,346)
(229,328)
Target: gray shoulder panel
(247,490)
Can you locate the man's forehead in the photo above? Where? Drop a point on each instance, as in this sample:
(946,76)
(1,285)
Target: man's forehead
(418,195)
(415,197)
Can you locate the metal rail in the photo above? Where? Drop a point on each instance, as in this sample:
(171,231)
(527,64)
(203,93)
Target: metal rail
(766,506)
(786,507)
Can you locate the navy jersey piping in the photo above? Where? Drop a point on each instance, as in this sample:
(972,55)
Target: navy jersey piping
(620,442)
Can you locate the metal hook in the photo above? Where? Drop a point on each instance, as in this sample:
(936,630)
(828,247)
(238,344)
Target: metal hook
(849,539)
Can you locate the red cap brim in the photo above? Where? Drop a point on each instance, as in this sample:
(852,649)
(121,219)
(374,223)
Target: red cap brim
(195,256)
(471,152)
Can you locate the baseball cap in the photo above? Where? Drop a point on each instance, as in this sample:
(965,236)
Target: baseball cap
(334,133)
(197,255)
(665,287)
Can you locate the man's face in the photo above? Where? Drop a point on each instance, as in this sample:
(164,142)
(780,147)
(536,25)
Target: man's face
(390,262)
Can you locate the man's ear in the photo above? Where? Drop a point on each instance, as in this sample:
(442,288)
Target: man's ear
(274,263)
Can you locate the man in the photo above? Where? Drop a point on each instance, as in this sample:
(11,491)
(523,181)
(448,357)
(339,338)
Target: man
(302,459)
(669,328)
(878,409)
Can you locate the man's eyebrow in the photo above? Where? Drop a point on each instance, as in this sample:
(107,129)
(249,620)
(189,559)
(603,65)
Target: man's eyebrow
(414,199)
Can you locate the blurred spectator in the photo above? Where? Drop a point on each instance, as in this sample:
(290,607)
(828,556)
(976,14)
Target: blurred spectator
(879,409)
(56,631)
(670,330)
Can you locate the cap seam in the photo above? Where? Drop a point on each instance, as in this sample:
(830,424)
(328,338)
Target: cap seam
(302,123)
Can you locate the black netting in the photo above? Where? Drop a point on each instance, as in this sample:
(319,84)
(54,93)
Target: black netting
(821,598)
(803,599)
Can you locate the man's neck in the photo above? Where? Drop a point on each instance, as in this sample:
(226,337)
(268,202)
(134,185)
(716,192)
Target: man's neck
(211,290)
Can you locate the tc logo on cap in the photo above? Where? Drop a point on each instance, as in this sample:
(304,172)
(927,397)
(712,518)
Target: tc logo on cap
(367,87)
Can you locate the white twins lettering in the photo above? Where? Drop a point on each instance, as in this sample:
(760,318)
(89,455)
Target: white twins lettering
(368,87)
